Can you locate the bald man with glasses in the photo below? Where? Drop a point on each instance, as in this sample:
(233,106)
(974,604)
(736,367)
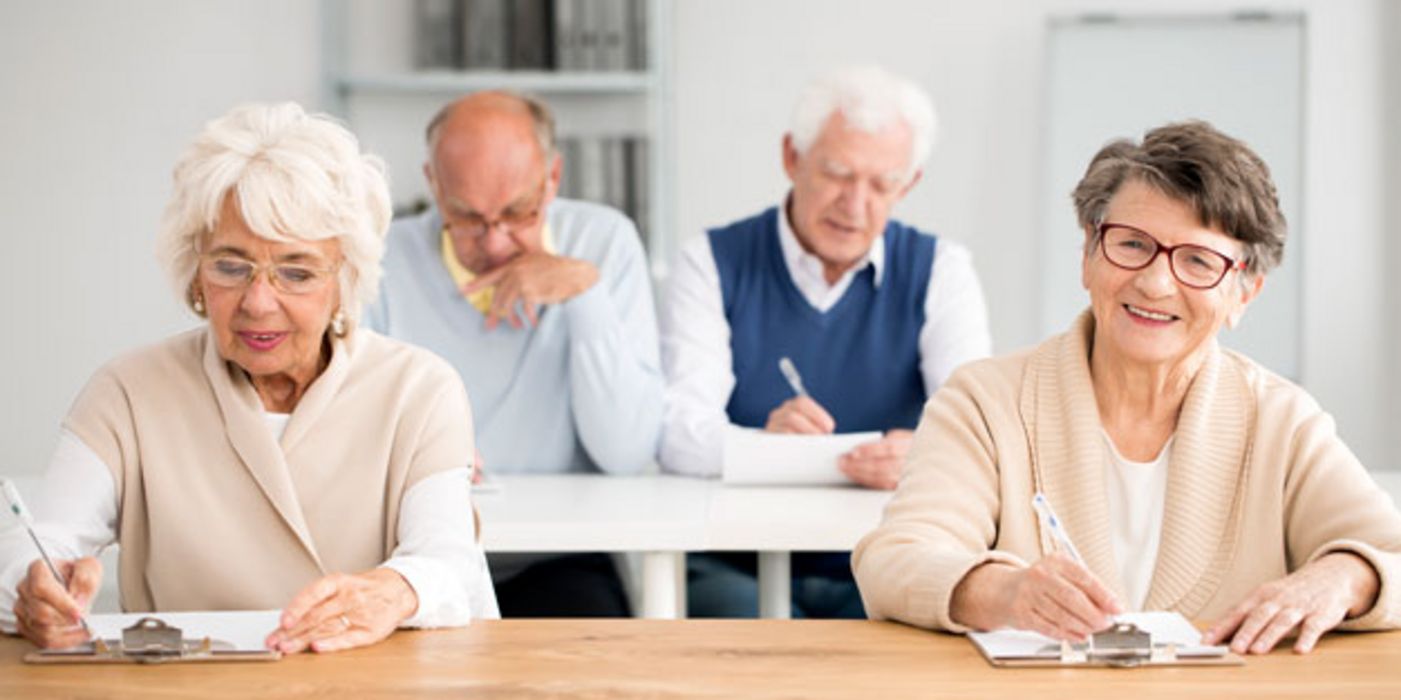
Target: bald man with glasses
(544,306)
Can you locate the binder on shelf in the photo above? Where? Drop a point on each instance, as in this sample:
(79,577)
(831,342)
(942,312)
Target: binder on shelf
(484,34)
(637,35)
(531,34)
(612,29)
(566,35)
(437,42)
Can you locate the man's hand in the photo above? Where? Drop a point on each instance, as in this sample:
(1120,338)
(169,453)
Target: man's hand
(49,615)
(877,464)
(343,611)
(532,279)
(1312,601)
(802,415)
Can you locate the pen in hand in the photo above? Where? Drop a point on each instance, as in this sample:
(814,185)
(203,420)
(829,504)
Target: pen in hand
(16,505)
(790,373)
(1048,516)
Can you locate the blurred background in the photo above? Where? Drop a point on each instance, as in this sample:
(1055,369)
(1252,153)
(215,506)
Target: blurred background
(674,110)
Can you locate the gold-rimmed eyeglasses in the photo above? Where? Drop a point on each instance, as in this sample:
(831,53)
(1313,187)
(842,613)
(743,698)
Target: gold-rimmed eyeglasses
(1195,266)
(233,272)
(516,217)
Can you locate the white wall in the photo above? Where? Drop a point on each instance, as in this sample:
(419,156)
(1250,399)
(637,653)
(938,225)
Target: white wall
(739,65)
(100,97)
(1391,230)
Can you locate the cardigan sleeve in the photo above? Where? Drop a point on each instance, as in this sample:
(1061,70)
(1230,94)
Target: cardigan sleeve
(943,520)
(1332,504)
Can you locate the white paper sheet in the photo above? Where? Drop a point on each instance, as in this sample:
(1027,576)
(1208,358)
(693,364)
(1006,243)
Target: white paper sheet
(1165,627)
(756,457)
(245,629)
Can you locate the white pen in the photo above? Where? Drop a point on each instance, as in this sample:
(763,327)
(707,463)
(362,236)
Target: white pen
(17,507)
(1048,516)
(790,373)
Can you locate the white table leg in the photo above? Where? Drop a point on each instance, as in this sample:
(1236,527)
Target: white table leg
(775,586)
(662,578)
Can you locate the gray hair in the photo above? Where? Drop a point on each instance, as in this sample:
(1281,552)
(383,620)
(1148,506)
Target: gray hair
(541,119)
(870,98)
(295,177)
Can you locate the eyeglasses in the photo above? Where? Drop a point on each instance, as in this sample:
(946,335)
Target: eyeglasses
(1194,266)
(230,272)
(513,219)
(885,186)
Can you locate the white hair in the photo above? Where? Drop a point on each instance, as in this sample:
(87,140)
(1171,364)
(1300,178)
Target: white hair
(871,99)
(294,177)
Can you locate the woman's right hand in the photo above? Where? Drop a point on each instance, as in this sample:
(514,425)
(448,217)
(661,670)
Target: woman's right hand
(49,615)
(1056,597)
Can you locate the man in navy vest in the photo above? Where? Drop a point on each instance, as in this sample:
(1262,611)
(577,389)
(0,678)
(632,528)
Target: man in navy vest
(874,315)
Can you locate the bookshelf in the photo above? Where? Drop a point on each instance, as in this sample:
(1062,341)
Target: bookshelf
(373,79)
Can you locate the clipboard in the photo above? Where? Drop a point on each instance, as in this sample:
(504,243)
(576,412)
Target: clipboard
(150,641)
(1129,643)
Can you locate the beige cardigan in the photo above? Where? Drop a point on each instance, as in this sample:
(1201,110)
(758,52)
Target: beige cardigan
(214,514)
(1258,485)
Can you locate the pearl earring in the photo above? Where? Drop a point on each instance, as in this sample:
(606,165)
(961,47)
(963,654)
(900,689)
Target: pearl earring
(198,304)
(338,324)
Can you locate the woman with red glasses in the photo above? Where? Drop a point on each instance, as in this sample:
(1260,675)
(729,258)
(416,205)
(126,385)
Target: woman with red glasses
(1187,477)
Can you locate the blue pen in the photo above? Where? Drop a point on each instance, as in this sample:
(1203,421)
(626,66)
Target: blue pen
(17,507)
(1048,516)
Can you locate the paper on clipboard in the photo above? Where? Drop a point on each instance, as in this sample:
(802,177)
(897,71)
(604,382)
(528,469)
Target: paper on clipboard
(756,457)
(244,629)
(1165,628)
(164,638)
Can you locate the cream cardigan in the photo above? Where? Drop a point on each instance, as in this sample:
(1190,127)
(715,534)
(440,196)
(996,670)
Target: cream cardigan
(1258,485)
(214,514)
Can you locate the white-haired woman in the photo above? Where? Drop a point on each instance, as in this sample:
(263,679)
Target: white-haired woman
(278,457)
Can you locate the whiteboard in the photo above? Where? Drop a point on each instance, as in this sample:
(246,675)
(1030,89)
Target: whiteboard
(1116,77)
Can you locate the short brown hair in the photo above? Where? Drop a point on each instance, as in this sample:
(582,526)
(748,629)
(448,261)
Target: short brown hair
(1227,184)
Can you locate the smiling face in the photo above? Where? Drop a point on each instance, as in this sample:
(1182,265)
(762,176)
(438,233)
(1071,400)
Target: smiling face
(265,331)
(844,187)
(1147,317)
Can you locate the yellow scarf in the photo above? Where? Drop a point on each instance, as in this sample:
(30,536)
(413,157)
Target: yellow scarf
(461,276)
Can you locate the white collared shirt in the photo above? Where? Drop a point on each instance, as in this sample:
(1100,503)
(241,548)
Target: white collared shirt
(809,275)
(696,335)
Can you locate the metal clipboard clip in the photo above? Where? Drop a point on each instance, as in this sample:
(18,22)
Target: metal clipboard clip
(1122,645)
(150,641)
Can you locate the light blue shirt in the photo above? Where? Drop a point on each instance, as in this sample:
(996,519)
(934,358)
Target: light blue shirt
(579,392)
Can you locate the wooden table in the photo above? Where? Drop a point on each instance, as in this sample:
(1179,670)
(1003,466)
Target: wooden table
(708,659)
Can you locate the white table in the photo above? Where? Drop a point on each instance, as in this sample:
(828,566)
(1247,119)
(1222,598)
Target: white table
(664,517)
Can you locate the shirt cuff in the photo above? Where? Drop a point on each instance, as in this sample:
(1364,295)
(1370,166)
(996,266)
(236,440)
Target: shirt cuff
(442,601)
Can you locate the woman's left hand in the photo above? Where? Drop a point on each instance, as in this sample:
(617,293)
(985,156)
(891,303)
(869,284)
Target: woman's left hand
(1312,600)
(343,611)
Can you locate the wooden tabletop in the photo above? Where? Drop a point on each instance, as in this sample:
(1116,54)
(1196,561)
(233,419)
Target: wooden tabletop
(706,659)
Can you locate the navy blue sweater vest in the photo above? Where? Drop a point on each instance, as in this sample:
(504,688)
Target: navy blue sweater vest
(859,359)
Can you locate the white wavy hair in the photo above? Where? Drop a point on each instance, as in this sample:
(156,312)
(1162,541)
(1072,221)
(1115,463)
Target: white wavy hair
(295,177)
(870,98)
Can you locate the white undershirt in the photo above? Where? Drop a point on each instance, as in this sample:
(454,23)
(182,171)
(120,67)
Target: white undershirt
(75,512)
(696,335)
(1136,495)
